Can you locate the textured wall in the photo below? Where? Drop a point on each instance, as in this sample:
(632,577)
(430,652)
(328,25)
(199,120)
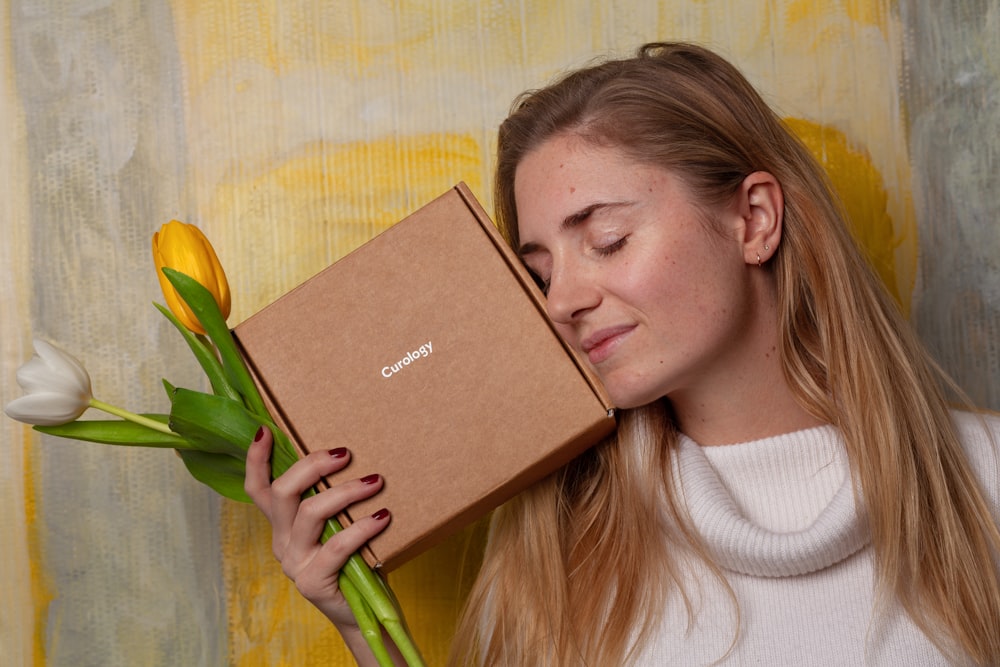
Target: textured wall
(293,131)
(953,101)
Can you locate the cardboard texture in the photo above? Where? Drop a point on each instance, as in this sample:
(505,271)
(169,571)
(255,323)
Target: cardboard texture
(427,352)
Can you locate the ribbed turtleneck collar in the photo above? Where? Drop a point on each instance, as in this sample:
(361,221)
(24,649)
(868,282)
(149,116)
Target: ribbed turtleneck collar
(739,543)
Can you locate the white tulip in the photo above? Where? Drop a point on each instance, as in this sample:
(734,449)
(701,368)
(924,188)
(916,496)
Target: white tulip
(57,385)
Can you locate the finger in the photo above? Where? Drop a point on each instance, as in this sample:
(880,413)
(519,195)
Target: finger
(257,482)
(286,491)
(308,470)
(314,512)
(315,577)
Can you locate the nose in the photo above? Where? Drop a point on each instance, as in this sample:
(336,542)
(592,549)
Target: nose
(571,293)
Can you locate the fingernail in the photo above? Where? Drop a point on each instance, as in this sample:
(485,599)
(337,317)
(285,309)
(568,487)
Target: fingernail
(381,514)
(338,452)
(259,434)
(369,479)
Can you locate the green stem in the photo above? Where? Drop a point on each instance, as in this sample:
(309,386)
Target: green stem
(379,598)
(130,416)
(367,623)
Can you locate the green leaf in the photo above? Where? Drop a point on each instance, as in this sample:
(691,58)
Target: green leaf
(117,432)
(205,356)
(213,423)
(222,473)
(203,305)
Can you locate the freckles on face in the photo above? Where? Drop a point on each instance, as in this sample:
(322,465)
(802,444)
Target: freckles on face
(635,279)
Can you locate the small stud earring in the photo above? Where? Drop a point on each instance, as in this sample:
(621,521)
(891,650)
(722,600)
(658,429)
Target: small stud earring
(766,247)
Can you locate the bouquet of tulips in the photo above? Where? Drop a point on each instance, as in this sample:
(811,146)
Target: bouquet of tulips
(210,431)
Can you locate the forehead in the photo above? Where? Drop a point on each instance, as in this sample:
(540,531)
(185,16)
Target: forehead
(566,156)
(568,174)
(569,166)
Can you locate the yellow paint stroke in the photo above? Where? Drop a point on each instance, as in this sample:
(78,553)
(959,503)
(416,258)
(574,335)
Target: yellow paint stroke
(868,12)
(42,593)
(842,37)
(330,199)
(860,187)
(354,36)
(211,28)
(873,13)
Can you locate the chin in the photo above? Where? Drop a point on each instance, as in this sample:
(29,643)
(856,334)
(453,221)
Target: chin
(626,398)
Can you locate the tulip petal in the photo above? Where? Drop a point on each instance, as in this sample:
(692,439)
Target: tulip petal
(68,373)
(45,409)
(183,312)
(35,375)
(184,248)
(217,282)
(57,386)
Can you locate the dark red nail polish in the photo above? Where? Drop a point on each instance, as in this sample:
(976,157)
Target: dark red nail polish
(259,435)
(338,452)
(381,514)
(370,479)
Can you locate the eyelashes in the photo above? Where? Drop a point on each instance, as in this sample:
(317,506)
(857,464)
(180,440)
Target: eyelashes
(611,248)
(600,251)
(542,284)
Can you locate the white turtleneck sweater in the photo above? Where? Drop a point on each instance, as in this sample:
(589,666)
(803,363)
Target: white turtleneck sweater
(779,517)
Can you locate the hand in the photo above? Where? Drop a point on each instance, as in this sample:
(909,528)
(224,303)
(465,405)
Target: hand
(296,524)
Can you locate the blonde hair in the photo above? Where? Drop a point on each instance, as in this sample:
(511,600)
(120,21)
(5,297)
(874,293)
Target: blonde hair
(565,553)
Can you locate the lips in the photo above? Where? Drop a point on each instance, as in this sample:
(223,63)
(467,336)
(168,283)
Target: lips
(600,345)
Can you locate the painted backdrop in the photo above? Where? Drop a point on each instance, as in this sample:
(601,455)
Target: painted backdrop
(293,131)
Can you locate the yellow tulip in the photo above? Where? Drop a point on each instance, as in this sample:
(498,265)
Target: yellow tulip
(185,248)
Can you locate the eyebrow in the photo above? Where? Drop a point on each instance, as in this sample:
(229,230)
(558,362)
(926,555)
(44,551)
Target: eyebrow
(573,220)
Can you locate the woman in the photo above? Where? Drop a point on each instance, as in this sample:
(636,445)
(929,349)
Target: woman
(787,484)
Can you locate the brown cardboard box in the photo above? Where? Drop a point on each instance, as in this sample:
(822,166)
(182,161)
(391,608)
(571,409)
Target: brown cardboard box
(427,352)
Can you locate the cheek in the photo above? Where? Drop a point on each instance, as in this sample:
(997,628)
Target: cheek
(654,281)
(693,291)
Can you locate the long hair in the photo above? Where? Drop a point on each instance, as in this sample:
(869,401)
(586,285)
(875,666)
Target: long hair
(567,552)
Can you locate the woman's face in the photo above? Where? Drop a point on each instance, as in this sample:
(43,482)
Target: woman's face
(654,294)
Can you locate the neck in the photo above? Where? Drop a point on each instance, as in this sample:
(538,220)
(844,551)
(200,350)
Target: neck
(751,399)
(742,415)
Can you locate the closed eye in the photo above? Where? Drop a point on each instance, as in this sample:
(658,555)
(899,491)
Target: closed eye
(542,284)
(611,248)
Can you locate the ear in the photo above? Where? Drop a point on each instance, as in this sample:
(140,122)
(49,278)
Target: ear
(760,205)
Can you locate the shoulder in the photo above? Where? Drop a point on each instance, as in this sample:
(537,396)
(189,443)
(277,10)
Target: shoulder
(980,436)
(978,431)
